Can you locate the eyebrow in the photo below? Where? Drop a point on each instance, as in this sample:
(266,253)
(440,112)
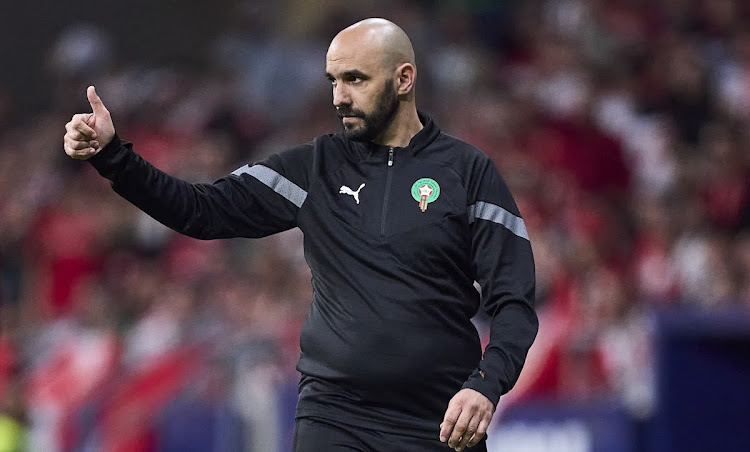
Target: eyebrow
(350,73)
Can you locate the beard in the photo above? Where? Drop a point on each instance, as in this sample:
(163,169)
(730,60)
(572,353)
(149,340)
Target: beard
(374,123)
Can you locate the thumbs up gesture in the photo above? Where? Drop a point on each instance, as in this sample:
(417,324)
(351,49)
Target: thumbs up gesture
(87,133)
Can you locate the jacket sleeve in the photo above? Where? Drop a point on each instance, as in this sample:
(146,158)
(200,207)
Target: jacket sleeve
(503,265)
(254,201)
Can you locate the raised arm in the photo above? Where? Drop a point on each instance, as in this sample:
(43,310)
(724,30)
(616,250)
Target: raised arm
(254,201)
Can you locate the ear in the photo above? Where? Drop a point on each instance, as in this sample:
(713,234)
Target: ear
(407,75)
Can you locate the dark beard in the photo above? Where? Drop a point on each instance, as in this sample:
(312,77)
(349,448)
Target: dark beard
(375,122)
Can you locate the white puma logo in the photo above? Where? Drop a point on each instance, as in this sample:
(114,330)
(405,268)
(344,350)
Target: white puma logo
(348,191)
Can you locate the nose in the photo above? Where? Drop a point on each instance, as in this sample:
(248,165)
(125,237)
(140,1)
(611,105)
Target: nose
(341,97)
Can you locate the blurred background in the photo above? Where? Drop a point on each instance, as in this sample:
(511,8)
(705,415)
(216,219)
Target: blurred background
(622,127)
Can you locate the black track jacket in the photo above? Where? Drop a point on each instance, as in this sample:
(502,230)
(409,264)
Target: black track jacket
(395,239)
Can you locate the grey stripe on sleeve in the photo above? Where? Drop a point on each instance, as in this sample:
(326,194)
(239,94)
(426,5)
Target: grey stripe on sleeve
(275,182)
(496,214)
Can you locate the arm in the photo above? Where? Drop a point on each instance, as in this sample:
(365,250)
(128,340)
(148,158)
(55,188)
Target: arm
(252,202)
(243,204)
(503,265)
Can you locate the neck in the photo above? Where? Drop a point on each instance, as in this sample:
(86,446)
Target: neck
(403,127)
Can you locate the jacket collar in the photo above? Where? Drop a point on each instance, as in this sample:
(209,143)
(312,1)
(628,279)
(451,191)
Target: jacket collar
(421,140)
(427,135)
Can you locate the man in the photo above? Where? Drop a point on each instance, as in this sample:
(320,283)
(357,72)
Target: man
(399,220)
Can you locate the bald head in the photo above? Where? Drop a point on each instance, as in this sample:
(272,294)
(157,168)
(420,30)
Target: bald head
(379,38)
(372,72)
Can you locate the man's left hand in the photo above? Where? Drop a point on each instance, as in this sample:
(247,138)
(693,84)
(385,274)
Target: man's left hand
(466,420)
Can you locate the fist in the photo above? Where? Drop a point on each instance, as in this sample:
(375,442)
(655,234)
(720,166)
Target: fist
(87,133)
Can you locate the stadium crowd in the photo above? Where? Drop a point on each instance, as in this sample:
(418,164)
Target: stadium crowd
(622,127)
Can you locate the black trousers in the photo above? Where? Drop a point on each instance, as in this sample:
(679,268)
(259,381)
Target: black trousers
(313,435)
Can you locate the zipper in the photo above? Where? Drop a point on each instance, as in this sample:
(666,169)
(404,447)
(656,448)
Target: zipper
(387,191)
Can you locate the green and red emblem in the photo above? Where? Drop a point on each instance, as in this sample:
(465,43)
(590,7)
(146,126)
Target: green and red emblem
(425,191)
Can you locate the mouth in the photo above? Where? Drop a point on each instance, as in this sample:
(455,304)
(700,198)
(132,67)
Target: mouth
(348,113)
(349,119)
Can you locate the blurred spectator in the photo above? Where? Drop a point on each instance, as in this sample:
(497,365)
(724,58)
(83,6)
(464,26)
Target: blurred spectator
(13,422)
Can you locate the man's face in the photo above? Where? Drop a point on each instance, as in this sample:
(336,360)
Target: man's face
(363,93)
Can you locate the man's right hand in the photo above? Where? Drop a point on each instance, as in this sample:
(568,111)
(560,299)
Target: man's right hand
(87,133)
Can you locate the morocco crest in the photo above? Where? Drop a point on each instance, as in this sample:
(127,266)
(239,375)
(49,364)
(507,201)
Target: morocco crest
(425,191)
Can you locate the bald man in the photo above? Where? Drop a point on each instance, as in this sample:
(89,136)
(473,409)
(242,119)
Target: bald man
(399,221)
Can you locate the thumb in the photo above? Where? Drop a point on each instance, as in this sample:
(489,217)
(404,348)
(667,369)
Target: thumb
(96,103)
